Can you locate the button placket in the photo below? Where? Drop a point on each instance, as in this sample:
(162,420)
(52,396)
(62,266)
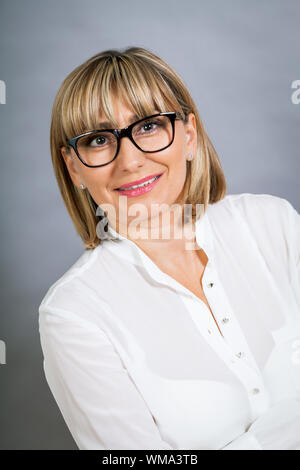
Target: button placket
(212,286)
(240,354)
(199,314)
(243,370)
(232,347)
(254,386)
(231,330)
(213,319)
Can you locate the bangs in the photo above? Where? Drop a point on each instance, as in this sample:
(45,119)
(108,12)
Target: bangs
(144,89)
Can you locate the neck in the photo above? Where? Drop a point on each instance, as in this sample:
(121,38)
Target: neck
(165,234)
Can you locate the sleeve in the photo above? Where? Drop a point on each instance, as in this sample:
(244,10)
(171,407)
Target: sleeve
(276,225)
(276,429)
(97,398)
(293,228)
(246,441)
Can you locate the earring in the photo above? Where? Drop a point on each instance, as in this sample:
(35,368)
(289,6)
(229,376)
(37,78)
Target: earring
(81,186)
(190,156)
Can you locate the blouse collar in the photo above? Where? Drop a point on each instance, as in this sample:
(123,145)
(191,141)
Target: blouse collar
(126,249)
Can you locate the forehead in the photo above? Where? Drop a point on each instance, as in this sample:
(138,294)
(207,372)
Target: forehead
(121,113)
(130,118)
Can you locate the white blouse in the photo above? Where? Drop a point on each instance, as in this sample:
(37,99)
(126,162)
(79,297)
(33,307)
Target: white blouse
(135,360)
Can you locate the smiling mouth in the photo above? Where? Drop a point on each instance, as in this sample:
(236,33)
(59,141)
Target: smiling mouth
(141,185)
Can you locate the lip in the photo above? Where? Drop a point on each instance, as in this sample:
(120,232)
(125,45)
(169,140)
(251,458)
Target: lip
(143,190)
(132,183)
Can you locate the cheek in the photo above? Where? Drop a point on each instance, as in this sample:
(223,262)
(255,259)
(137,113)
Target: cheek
(176,156)
(178,168)
(98,184)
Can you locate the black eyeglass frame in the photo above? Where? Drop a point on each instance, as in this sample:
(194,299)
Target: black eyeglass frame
(125,132)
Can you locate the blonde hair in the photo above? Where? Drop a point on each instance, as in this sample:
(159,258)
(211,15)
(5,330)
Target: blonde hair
(146,82)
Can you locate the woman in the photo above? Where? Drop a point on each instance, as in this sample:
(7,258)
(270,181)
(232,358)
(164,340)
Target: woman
(188,338)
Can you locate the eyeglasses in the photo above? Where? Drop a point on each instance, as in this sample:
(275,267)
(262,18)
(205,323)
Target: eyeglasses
(151,134)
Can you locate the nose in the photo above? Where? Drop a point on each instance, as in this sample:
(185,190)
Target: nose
(129,157)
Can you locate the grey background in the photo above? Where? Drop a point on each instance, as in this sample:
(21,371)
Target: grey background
(238,59)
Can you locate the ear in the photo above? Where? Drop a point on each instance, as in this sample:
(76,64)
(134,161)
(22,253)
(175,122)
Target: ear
(70,162)
(191,134)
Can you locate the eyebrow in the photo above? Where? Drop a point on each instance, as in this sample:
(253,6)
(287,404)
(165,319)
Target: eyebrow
(108,125)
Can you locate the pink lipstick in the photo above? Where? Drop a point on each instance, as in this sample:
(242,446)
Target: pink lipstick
(139,187)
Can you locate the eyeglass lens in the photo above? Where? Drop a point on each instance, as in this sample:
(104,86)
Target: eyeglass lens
(151,134)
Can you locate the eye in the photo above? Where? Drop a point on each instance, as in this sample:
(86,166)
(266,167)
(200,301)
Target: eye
(98,140)
(146,127)
(149,126)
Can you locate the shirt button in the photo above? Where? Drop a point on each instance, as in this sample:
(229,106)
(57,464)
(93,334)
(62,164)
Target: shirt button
(255,391)
(240,354)
(209,332)
(225,320)
(210,284)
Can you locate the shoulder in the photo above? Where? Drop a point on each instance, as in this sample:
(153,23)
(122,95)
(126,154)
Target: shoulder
(252,201)
(72,289)
(254,207)
(267,218)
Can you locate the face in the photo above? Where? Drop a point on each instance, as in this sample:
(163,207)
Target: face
(133,164)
